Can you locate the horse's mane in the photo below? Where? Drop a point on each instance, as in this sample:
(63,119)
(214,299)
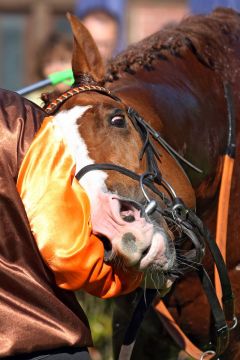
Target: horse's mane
(210,38)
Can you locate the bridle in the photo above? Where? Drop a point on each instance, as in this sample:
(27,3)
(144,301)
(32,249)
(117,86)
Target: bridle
(174,211)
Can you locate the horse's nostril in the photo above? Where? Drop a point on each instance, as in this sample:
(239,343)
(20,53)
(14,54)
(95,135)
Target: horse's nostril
(129,218)
(129,242)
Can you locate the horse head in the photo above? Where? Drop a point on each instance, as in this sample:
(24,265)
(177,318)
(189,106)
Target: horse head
(128,177)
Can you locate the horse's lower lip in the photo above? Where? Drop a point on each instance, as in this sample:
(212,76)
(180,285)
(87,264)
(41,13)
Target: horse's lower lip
(158,254)
(146,251)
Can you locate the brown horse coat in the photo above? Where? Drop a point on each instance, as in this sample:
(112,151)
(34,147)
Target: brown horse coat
(175,80)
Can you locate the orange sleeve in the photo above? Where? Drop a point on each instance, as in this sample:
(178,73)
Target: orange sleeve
(58,210)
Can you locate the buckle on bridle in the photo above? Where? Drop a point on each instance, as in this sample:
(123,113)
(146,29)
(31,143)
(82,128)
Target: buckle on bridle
(179,210)
(234,323)
(208,352)
(151,204)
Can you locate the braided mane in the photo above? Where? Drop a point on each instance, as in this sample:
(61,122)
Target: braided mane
(210,38)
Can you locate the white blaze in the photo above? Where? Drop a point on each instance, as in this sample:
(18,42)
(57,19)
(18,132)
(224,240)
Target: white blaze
(66,122)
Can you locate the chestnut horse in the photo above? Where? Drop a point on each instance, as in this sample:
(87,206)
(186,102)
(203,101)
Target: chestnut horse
(92,178)
(103,131)
(175,79)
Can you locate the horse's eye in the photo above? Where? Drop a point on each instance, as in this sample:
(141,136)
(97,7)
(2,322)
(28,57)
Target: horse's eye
(118,121)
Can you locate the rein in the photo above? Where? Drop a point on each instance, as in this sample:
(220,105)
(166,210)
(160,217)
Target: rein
(222,284)
(187,221)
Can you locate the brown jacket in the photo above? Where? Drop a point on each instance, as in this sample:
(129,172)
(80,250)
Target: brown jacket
(35,313)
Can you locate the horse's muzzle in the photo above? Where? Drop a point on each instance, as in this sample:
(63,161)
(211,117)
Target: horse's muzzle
(131,237)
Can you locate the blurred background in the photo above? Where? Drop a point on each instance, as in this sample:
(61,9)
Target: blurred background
(35,40)
(25,26)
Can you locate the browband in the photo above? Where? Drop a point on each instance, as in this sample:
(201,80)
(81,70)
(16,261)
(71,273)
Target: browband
(54,105)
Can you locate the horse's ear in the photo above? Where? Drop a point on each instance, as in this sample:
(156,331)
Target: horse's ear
(86,58)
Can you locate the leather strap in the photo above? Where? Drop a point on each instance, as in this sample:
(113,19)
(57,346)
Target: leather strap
(222,217)
(221,283)
(136,319)
(178,335)
(221,239)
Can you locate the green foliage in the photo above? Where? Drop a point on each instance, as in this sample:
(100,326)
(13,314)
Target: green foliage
(99,314)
